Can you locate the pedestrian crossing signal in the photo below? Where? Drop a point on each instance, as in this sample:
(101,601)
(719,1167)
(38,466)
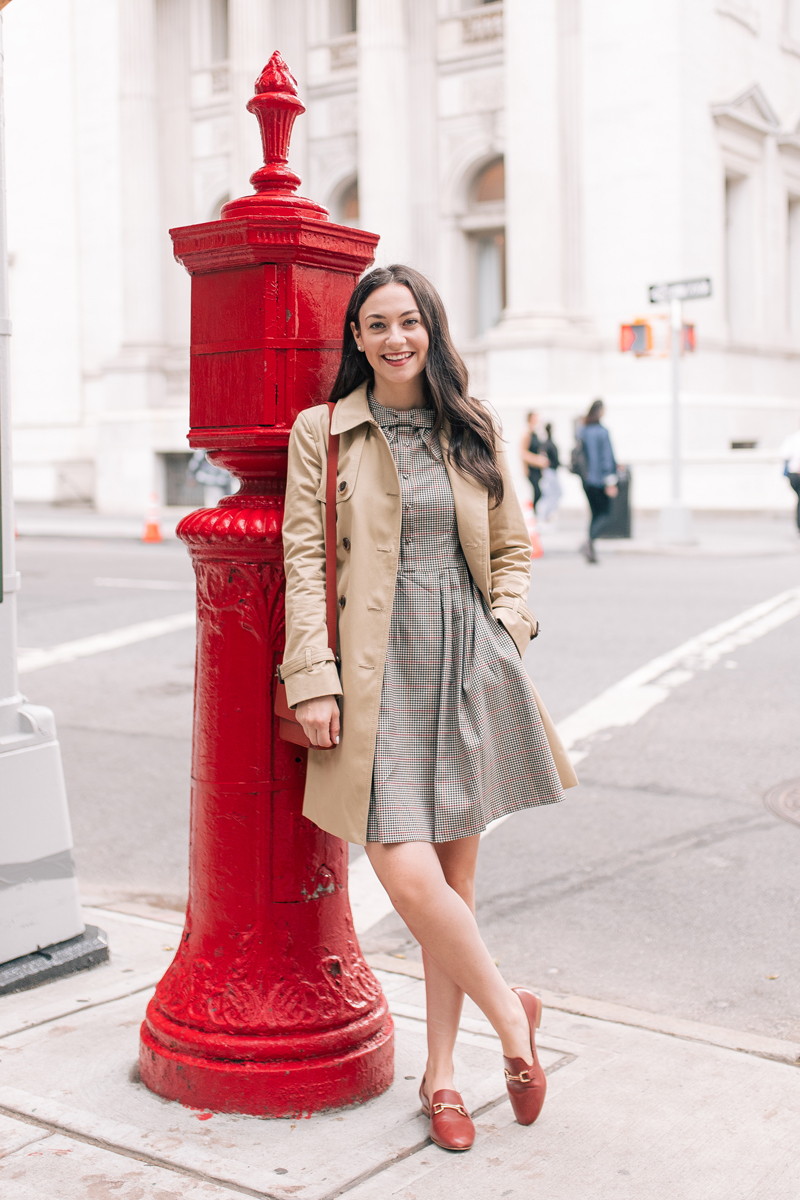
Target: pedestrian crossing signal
(636,338)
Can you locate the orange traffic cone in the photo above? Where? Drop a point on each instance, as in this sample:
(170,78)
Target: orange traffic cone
(152,525)
(537,550)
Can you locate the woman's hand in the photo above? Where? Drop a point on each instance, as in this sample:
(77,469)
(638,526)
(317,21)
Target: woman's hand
(320,720)
(612,490)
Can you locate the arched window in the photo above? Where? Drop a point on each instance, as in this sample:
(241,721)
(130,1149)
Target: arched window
(343,17)
(219,31)
(216,211)
(344,206)
(485,225)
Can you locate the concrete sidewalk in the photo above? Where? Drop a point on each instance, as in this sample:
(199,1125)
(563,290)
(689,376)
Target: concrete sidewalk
(718,534)
(82,521)
(632,1113)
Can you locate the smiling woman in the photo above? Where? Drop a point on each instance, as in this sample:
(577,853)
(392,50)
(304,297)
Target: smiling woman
(443,732)
(397,339)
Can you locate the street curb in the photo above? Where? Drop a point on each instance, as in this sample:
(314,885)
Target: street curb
(775,1049)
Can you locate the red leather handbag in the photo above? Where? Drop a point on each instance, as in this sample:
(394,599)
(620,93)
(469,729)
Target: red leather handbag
(290,729)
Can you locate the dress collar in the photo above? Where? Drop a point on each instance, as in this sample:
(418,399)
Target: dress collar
(392,419)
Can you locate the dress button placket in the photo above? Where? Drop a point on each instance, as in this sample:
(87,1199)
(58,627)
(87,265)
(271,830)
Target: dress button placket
(405,489)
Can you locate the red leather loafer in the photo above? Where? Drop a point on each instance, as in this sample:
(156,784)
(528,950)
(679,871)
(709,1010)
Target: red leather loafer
(526,1082)
(451,1124)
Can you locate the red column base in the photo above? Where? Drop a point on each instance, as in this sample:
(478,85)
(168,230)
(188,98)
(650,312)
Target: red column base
(284,1088)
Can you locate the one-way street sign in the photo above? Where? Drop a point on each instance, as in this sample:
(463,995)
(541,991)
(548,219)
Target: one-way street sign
(684,289)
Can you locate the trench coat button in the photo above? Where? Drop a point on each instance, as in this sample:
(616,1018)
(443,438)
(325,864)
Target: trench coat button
(342,601)
(346,543)
(343,486)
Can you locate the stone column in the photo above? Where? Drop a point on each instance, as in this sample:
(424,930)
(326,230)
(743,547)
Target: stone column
(423,83)
(135,379)
(174,85)
(384,159)
(534,201)
(290,36)
(251,30)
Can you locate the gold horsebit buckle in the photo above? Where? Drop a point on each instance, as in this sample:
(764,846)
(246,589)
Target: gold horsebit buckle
(459,1108)
(523,1077)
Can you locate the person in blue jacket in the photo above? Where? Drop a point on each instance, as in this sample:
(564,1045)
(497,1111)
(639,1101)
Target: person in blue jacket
(599,476)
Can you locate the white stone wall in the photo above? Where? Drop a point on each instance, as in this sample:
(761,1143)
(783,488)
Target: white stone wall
(618,122)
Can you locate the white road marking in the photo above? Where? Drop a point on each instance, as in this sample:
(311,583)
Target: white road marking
(35,660)
(623,704)
(155,585)
(627,701)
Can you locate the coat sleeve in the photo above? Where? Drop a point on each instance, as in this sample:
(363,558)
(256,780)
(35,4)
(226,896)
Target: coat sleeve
(609,462)
(510,561)
(308,669)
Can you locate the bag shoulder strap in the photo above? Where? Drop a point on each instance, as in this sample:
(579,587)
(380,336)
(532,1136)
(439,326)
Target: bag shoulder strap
(330,535)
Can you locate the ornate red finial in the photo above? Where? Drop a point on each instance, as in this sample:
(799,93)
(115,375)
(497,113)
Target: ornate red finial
(276,77)
(276,106)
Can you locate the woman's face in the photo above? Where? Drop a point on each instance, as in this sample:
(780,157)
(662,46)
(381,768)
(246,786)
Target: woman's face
(391,334)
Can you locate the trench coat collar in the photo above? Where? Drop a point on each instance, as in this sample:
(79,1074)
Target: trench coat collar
(353,410)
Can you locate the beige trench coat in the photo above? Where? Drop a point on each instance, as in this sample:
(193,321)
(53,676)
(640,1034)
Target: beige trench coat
(495,544)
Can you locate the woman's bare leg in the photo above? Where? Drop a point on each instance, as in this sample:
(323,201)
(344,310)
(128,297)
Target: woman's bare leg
(445,927)
(444,998)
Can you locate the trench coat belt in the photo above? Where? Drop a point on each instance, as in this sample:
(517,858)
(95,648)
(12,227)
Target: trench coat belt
(304,661)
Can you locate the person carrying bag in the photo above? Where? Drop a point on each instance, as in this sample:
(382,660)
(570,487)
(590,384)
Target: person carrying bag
(444,731)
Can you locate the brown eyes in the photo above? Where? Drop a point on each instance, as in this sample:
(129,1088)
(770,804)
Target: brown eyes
(408,321)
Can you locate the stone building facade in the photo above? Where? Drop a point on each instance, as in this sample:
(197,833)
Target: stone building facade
(543,161)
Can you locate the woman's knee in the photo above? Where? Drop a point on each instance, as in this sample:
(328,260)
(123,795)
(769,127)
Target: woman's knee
(411,877)
(464,885)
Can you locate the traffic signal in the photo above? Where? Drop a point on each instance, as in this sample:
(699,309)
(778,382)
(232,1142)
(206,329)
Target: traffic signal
(637,337)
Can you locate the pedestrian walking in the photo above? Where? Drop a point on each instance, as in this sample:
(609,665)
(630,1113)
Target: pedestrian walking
(549,484)
(440,730)
(790,452)
(534,457)
(598,472)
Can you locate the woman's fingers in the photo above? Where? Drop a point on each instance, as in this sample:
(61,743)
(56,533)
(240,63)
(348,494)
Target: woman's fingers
(320,721)
(324,737)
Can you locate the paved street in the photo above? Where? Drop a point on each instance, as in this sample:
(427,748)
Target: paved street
(662,883)
(124,717)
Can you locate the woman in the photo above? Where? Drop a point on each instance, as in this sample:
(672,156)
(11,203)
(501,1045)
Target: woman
(599,477)
(534,457)
(790,453)
(441,732)
(550,485)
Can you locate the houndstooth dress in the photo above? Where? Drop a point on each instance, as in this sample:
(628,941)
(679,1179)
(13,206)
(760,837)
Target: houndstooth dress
(460,741)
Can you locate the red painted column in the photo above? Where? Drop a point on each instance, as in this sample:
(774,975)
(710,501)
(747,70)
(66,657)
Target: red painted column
(268,1007)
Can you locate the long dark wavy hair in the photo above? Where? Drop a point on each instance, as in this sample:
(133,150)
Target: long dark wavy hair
(473,441)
